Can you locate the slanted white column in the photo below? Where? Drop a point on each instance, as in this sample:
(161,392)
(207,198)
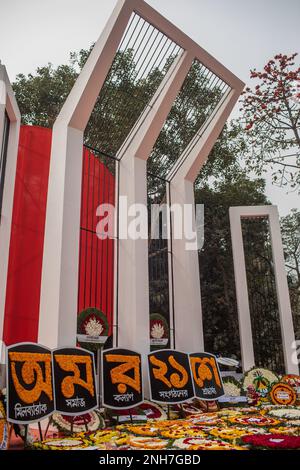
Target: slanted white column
(188,330)
(8,105)
(58,305)
(245,328)
(284,305)
(133,305)
(283,296)
(187,296)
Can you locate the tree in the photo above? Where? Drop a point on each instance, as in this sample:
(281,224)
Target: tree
(271,118)
(290,229)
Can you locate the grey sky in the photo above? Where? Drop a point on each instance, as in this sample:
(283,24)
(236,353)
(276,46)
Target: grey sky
(239,33)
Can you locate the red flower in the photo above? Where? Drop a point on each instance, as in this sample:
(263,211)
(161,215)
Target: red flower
(273,441)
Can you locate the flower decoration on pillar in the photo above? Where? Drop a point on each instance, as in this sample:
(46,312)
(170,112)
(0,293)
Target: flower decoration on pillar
(92,323)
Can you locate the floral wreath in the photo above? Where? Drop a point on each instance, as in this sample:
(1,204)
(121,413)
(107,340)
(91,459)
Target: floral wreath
(68,443)
(292,379)
(154,411)
(91,421)
(232,387)
(260,378)
(159,328)
(283,394)
(93,322)
(100,437)
(287,430)
(199,443)
(148,442)
(255,420)
(286,412)
(273,441)
(232,433)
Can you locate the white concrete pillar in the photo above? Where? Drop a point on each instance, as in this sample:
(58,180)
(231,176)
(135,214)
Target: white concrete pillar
(245,328)
(283,296)
(284,305)
(8,105)
(188,329)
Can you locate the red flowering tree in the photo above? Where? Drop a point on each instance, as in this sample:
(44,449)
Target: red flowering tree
(271,120)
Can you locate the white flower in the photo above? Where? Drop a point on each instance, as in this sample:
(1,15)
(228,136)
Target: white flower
(94,327)
(288,413)
(231,389)
(157,331)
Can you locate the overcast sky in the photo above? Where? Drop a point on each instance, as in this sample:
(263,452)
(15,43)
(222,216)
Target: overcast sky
(241,34)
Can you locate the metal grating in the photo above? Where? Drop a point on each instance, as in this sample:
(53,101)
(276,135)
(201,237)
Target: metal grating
(200,95)
(96,258)
(159,279)
(265,321)
(142,60)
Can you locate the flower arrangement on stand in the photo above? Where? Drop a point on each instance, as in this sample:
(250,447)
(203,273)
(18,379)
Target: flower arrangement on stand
(92,322)
(260,379)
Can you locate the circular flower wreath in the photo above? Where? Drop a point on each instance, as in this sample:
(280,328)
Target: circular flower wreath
(206,421)
(233,433)
(194,443)
(100,437)
(153,410)
(273,441)
(285,412)
(283,394)
(255,420)
(288,430)
(259,378)
(93,322)
(148,443)
(68,443)
(147,430)
(232,387)
(176,432)
(292,379)
(91,421)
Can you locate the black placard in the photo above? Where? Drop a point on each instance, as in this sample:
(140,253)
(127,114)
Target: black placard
(170,376)
(208,383)
(74,381)
(29,383)
(122,383)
